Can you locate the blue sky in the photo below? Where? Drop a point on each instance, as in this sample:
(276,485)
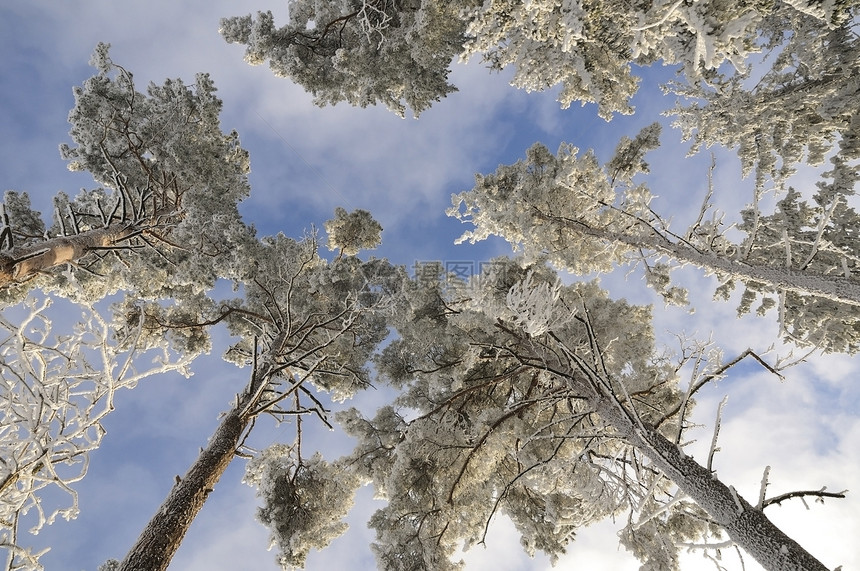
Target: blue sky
(305,162)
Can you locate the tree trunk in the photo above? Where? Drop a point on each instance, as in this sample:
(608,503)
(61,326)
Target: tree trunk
(746,525)
(20,264)
(834,287)
(162,536)
(164,533)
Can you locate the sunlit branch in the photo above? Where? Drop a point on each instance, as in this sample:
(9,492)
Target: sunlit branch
(716,375)
(714,448)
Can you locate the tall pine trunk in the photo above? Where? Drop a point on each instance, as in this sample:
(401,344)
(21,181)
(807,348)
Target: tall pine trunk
(834,287)
(162,536)
(745,524)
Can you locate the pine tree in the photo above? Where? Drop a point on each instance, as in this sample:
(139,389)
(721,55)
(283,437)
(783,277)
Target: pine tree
(306,327)
(398,52)
(162,226)
(586,217)
(548,404)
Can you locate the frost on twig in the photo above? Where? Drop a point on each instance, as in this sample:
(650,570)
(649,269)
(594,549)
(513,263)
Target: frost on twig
(801,494)
(534,305)
(57,384)
(714,448)
(373,19)
(763,488)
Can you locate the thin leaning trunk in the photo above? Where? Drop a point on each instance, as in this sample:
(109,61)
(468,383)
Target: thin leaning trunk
(162,536)
(745,524)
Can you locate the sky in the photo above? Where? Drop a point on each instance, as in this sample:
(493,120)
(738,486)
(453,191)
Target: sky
(307,161)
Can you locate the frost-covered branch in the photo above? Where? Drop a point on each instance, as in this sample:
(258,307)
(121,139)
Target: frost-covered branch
(819,494)
(554,430)
(374,17)
(659,22)
(585,217)
(58,384)
(306,326)
(701,374)
(717,423)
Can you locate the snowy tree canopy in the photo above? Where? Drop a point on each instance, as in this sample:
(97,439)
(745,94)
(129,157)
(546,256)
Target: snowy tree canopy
(398,53)
(380,51)
(486,434)
(167,205)
(304,500)
(801,260)
(349,233)
(796,104)
(557,413)
(162,228)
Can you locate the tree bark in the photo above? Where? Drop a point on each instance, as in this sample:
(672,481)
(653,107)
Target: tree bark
(20,264)
(162,536)
(746,525)
(835,288)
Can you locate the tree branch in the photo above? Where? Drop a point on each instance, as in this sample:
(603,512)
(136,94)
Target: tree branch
(820,494)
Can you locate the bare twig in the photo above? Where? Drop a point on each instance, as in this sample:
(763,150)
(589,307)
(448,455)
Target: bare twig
(820,494)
